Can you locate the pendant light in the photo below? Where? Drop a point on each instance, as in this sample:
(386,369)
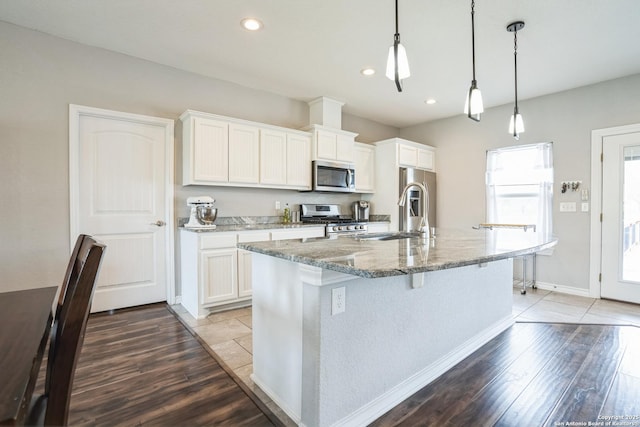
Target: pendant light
(473,105)
(516,125)
(397,63)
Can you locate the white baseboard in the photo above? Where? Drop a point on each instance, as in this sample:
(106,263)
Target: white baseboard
(379,406)
(273,396)
(581,292)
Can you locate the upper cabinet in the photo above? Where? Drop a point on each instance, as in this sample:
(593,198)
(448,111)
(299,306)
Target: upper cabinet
(414,155)
(220,150)
(332,144)
(365,161)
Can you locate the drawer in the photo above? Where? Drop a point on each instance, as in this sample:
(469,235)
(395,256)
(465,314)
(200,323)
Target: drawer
(254,236)
(298,233)
(218,240)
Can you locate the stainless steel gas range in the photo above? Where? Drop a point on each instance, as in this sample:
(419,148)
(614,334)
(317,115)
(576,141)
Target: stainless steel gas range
(330,215)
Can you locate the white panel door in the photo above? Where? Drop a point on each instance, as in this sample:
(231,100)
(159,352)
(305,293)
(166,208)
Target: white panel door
(621,217)
(121,193)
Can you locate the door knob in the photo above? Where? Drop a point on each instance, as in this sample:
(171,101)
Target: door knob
(159,223)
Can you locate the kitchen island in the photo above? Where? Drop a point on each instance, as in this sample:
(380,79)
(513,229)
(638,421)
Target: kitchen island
(346,328)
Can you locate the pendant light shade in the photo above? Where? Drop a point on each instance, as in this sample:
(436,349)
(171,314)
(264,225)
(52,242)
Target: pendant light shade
(403,63)
(397,63)
(473,106)
(516,124)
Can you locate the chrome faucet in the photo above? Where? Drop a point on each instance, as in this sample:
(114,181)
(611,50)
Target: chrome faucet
(424,221)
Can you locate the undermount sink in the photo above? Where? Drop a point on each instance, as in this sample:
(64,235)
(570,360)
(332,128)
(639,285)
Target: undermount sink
(391,236)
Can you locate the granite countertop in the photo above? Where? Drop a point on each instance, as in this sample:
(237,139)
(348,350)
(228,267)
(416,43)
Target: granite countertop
(245,227)
(379,258)
(253,223)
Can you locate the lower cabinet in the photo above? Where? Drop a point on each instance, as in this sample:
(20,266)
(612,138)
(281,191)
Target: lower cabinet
(378,227)
(215,274)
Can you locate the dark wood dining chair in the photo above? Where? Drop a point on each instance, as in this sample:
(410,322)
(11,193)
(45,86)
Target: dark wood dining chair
(67,336)
(73,269)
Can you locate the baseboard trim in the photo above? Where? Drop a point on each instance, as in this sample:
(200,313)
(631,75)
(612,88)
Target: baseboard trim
(379,406)
(581,292)
(273,396)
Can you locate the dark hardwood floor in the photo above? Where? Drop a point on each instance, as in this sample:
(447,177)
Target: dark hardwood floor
(143,367)
(535,374)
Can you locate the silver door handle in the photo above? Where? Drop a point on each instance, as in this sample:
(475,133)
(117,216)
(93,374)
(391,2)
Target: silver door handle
(159,223)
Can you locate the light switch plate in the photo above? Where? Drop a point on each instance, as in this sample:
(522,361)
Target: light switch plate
(585,207)
(568,207)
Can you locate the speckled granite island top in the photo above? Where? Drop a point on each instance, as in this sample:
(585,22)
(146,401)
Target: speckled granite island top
(366,257)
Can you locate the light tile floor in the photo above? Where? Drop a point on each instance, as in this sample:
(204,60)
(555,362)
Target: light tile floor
(228,333)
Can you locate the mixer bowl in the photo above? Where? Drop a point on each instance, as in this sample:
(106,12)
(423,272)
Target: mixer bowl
(206,215)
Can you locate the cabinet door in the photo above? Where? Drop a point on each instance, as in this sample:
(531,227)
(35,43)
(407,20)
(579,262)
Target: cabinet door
(218,281)
(244,260)
(344,148)
(273,157)
(365,167)
(244,153)
(326,145)
(209,139)
(425,159)
(244,274)
(299,161)
(407,155)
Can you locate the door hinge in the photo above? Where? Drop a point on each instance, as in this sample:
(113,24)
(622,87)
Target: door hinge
(601,157)
(600,277)
(600,217)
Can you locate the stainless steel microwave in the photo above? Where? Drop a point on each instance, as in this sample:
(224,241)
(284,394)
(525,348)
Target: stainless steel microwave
(334,176)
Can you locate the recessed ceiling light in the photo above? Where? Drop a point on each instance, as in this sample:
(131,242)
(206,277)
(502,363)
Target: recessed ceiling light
(367,71)
(430,101)
(251,24)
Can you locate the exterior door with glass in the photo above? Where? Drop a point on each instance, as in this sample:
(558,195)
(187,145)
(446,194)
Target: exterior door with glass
(621,217)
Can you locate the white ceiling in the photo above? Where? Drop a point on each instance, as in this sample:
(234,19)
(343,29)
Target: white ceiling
(312,48)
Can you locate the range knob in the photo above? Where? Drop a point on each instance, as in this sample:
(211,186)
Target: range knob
(334,228)
(340,228)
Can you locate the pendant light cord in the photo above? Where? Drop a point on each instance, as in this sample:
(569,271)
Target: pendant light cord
(396,42)
(515,64)
(473,40)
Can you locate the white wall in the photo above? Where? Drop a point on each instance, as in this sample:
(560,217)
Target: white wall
(41,75)
(567,119)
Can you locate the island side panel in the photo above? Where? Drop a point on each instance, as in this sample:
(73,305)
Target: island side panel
(277,331)
(393,339)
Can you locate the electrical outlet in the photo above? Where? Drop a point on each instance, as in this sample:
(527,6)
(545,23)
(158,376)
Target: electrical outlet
(338,300)
(277,205)
(585,206)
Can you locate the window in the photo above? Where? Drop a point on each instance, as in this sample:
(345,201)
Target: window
(520,186)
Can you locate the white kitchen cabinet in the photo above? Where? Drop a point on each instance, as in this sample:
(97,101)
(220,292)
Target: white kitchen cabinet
(391,155)
(218,275)
(205,150)
(297,233)
(244,260)
(273,157)
(225,151)
(215,274)
(299,161)
(364,155)
(411,155)
(244,154)
(332,144)
(285,159)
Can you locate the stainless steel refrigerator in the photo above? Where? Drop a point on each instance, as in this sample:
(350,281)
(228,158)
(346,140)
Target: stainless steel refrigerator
(411,212)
